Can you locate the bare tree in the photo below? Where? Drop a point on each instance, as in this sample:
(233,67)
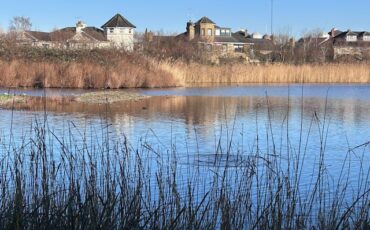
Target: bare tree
(19,24)
(314,46)
(284,45)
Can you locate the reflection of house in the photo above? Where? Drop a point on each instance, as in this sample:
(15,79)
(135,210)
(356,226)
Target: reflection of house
(213,36)
(118,32)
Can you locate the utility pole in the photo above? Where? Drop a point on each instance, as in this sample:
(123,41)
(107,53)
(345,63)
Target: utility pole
(272,17)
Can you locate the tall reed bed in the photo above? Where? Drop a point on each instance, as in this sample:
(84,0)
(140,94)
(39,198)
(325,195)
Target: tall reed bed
(193,74)
(88,179)
(124,73)
(136,70)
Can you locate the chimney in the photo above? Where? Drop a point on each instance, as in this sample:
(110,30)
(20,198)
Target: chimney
(80,26)
(333,32)
(190,30)
(246,33)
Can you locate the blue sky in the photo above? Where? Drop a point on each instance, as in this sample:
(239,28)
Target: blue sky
(294,16)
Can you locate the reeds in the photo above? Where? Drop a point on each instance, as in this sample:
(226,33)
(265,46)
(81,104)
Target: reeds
(38,68)
(193,74)
(90,179)
(20,73)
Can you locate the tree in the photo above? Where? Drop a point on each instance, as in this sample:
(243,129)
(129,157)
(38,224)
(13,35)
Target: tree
(20,24)
(314,46)
(284,45)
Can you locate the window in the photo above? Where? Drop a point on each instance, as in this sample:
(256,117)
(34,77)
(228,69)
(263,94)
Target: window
(217,32)
(351,38)
(209,32)
(111,30)
(130,31)
(203,32)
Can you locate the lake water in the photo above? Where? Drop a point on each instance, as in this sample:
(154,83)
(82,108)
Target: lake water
(200,122)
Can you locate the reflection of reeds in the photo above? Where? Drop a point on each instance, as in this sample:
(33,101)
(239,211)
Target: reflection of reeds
(68,182)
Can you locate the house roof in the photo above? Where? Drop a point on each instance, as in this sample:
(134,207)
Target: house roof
(226,39)
(364,33)
(346,33)
(118,21)
(41,36)
(96,33)
(68,33)
(65,34)
(260,43)
(205,20)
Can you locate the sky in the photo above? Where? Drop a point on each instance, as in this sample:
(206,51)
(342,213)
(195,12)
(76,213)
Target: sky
(290,16)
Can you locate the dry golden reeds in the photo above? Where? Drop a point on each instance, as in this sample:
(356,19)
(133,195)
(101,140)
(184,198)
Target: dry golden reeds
(58,74)
(275,73)
(140,71)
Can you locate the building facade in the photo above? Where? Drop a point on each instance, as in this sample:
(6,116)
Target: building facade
(355,44)
(118,32)
(215,37)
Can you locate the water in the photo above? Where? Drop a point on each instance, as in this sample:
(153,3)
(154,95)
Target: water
(196,120)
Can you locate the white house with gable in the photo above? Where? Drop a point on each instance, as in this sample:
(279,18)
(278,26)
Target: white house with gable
(119,31)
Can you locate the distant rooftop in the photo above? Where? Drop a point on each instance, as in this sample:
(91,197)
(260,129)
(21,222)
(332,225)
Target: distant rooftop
(118,21)
(205,20)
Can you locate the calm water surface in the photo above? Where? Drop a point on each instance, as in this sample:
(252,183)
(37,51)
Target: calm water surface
(196,120)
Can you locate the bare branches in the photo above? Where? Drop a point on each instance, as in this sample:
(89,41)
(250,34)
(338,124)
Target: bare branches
(20,24)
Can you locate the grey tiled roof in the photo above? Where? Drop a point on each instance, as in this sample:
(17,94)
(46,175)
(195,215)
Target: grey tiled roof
(226,39)
(260,43)
(118,21)
(205,20)
(41,36)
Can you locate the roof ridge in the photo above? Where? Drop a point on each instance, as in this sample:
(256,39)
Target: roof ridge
(118,21)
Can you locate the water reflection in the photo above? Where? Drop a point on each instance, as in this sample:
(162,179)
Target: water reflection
(209,111)
(201,128)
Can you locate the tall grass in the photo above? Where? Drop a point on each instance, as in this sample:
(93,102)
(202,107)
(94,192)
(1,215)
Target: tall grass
(91,180)
(30,67)
(193,74)
(21,73)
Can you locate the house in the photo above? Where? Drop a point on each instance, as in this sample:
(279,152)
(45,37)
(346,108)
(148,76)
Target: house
(350,43)
(215,37)
(118,32)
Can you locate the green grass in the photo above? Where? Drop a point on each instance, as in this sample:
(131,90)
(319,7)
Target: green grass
(4,97)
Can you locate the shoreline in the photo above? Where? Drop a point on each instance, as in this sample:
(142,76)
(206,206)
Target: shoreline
(20,102)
